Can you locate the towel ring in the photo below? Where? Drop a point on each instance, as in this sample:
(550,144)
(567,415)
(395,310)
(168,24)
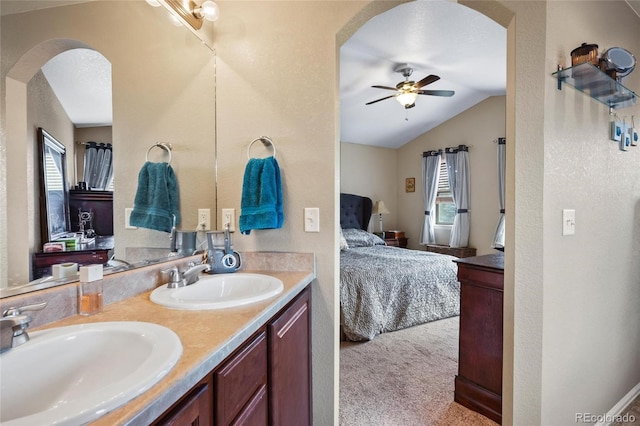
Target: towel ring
(165,146)
(266,140)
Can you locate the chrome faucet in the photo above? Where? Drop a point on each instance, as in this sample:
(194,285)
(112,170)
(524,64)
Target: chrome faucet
(14,324)
(190,276)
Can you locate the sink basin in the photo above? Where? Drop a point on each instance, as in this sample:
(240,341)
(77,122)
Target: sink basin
(219,291)
(73,375)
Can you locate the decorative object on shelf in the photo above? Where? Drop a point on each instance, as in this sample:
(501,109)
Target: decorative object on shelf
(617,62)
(410,185)
(379,208)
(633,132)
(584,53)
(625,139)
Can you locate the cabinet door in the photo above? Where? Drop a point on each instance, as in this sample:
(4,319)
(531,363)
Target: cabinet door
(240,382)
(195,410)
(255,412)
(290,364)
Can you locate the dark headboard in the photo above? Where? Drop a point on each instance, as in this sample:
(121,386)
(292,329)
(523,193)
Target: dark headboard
(355,211)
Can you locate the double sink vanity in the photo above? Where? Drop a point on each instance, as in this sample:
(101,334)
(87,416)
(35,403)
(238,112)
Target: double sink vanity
(230,348)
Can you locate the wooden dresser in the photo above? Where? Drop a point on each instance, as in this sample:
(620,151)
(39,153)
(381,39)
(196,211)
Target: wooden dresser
(451,251)
(478,385)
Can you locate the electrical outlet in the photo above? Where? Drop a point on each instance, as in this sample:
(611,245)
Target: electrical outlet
(229,216)
(204,219)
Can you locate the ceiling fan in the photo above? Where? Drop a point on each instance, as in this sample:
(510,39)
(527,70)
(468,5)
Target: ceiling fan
(408,91)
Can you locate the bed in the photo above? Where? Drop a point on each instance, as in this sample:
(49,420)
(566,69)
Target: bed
(385,288)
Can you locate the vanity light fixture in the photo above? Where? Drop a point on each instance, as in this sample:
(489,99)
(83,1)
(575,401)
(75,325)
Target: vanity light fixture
(191,12)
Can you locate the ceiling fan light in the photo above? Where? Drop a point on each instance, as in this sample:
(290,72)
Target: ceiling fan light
(407,99)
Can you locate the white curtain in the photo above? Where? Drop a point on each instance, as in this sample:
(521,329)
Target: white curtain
(458,169)
(498,239)
(98,165)
(430,167)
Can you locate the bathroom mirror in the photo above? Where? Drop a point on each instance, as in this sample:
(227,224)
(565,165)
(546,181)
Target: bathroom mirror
(156,98)
(54,195)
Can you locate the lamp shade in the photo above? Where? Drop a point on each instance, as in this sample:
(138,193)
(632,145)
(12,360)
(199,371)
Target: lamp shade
(380,208)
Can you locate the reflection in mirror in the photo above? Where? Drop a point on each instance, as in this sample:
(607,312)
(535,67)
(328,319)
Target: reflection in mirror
(156,97)
(54,200)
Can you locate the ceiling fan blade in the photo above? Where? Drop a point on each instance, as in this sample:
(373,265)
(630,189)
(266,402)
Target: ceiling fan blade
(384,87)
(381,99)
(447,93)
(427,80)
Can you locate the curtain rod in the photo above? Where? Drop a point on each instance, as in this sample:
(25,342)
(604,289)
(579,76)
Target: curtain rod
(434,152)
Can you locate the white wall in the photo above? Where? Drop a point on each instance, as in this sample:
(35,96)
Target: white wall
(371,171)
(591,320)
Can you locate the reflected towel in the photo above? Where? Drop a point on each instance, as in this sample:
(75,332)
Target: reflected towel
(261,204)
(157,199)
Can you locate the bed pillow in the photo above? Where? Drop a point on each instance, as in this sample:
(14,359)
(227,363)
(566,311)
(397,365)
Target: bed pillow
(343,243)
(359,238)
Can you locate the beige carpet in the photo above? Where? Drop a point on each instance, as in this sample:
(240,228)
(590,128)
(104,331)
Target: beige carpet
(404,378)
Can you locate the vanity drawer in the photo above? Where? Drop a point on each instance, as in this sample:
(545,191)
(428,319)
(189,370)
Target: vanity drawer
(239,379)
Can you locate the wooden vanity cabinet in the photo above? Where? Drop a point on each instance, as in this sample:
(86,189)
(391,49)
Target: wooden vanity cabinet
(241,385)
(267,381)
(193,409)
(290,365)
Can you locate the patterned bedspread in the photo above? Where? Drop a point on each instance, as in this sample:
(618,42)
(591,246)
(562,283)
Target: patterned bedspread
(386,288)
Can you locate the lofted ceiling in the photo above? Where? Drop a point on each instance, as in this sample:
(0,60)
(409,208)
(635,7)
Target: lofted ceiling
(464,48)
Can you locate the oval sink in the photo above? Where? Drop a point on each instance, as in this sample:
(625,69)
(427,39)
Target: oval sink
(219,291)
(73,375)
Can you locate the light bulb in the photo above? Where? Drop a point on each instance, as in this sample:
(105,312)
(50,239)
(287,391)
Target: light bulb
(407,98)
(208,10)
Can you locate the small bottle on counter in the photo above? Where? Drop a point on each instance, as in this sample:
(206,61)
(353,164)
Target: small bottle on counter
(90,290)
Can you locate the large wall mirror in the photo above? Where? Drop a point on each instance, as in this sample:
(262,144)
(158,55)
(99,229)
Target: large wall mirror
(163,90)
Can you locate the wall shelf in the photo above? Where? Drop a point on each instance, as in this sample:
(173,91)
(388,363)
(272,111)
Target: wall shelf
(589,80)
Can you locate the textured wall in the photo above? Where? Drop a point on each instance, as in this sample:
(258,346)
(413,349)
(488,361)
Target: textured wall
(372,172)
(591,279)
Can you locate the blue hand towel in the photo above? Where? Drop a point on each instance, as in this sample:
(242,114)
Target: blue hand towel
(157,199)
(261,202)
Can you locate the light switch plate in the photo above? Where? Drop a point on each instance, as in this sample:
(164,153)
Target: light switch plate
(311,219)
(127,218)
(568,222)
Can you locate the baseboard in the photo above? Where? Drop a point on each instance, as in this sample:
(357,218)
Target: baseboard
(620,407)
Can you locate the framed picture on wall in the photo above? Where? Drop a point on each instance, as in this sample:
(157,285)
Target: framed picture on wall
(410,185)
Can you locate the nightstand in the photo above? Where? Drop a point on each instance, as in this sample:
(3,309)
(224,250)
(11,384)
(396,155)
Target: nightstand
(395,239)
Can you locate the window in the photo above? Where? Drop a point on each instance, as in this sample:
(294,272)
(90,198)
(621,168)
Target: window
(445,207)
